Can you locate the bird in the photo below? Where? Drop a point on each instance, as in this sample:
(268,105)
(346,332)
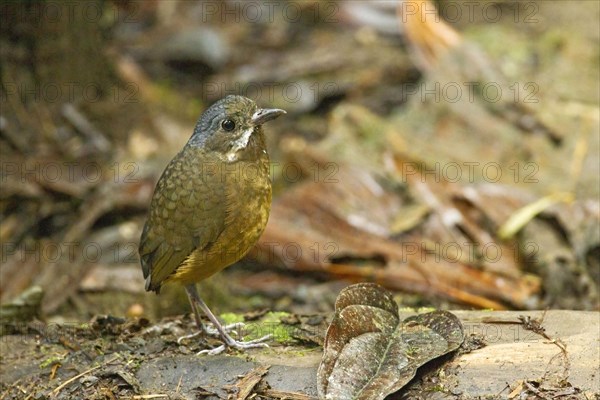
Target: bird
(210,205)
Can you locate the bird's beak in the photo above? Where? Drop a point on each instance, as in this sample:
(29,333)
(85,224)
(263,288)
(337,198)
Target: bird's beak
(266,114)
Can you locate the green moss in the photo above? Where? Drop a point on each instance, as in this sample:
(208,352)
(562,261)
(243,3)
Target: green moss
(269,324)
(134,363)
(275,316)
(51,361)
(231,318)
(438,388)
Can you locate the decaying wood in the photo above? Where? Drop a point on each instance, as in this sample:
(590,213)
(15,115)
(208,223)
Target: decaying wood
(245,386)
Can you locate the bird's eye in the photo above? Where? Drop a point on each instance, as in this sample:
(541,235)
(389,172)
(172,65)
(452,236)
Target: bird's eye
(228,125)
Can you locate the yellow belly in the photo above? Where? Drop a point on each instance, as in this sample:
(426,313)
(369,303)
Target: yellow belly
(204,263)
(247,215)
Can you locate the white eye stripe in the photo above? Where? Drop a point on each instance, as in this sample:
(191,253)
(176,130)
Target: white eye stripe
(243,140)
(240,143)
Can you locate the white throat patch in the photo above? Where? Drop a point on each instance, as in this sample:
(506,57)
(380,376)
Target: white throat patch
(239,144)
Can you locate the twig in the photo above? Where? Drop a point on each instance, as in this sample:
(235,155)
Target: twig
(179,384)
(68,382)
(535,391)
(279,394)
(55,368)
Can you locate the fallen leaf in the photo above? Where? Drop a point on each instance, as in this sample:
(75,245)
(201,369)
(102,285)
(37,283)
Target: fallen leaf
(369,353)
(520,218)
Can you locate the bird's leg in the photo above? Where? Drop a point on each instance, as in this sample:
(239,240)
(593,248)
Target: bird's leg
(199,324)
(227,339)
(203,329)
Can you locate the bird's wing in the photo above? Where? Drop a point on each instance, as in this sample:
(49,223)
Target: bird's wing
(187,213)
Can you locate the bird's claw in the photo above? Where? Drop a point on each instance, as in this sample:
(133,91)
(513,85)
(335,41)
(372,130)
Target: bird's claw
(209,330)
(186,337)
(233,328)
(251,344)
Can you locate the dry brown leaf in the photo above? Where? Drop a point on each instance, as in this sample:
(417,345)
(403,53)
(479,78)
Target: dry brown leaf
(369,353)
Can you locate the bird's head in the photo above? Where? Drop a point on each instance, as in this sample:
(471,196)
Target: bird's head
(227,126)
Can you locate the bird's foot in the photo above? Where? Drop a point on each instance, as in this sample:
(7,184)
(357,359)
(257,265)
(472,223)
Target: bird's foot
(231,342)
(209,330)
(231,328)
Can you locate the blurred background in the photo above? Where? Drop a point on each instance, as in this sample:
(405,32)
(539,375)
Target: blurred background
(446,150)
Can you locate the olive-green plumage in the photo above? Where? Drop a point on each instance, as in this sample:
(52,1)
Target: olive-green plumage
(212,202)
